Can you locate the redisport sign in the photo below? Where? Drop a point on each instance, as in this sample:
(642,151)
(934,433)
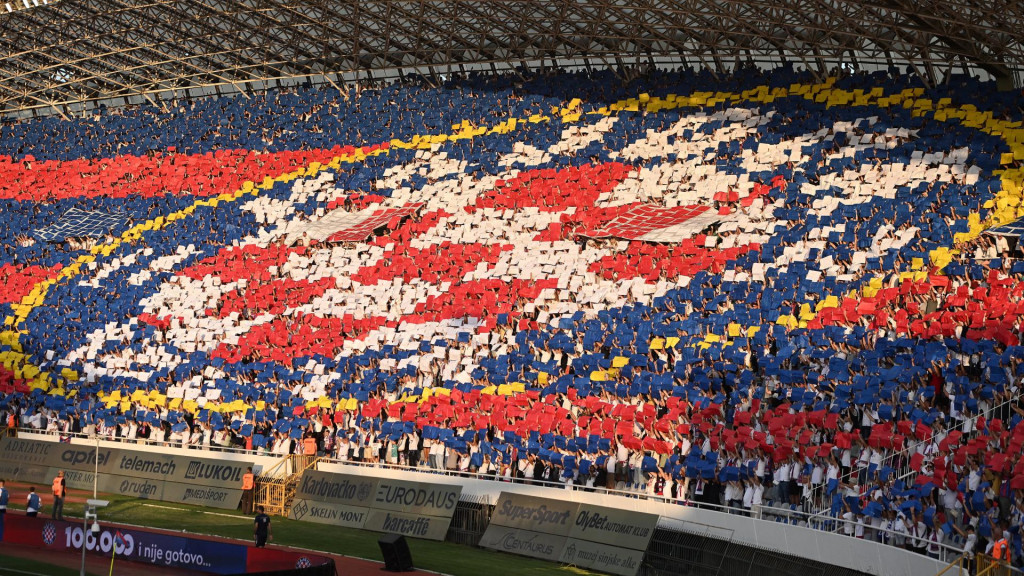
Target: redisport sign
(414,509)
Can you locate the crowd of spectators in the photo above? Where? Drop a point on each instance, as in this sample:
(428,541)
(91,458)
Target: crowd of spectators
(858,359)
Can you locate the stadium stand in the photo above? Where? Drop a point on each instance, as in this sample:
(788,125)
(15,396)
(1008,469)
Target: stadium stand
(744,290)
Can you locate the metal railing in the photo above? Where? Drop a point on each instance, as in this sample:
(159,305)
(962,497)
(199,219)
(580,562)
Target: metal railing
(276,486)
(273,485)
(763,512)
(980,565)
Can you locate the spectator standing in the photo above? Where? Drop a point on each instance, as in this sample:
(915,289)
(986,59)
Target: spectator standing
(33,503)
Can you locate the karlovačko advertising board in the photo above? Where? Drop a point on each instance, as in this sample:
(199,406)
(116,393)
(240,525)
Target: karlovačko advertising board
(414,509)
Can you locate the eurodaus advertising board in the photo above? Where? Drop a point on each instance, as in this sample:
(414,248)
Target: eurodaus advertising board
(414,509)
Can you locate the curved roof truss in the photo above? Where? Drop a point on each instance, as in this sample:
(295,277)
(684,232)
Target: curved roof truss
(61,52)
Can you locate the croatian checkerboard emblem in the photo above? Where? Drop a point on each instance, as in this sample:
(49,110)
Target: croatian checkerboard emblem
(49,533)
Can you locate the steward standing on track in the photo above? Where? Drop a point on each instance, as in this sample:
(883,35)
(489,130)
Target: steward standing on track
(60,491)
(248,485)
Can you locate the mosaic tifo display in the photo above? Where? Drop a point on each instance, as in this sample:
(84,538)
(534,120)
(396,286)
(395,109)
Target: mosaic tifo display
(707,279)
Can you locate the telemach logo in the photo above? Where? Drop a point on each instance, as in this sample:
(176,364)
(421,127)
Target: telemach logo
(145,465)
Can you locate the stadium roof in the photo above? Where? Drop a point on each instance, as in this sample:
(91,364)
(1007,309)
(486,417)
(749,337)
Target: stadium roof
(60,52)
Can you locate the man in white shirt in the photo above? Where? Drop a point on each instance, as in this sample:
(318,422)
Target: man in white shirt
(757,500)
(899,529)
(609,467)
(437,448)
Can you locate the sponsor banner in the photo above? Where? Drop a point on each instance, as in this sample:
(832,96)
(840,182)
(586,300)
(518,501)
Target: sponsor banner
(129,544)
(589,536)
(535,514)
(329,513)
(337,488)
(26,452)
(32,457)
(523,542)
(417,497)
(79,479)
(211,496)
(218,496)
(602,557)
(412,525)
(273,559)
(613,526)
(414,509)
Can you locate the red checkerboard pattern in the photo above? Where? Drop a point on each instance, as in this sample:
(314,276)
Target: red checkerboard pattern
(379,219)
(643,219)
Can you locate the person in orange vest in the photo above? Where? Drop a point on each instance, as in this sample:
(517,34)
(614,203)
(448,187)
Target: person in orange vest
(60,491)
(309,448)
(1000,547)
(248,485)
(309,444)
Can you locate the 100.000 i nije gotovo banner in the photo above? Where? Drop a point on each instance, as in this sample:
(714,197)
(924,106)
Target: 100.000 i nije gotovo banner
(188,553)
(167,477)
